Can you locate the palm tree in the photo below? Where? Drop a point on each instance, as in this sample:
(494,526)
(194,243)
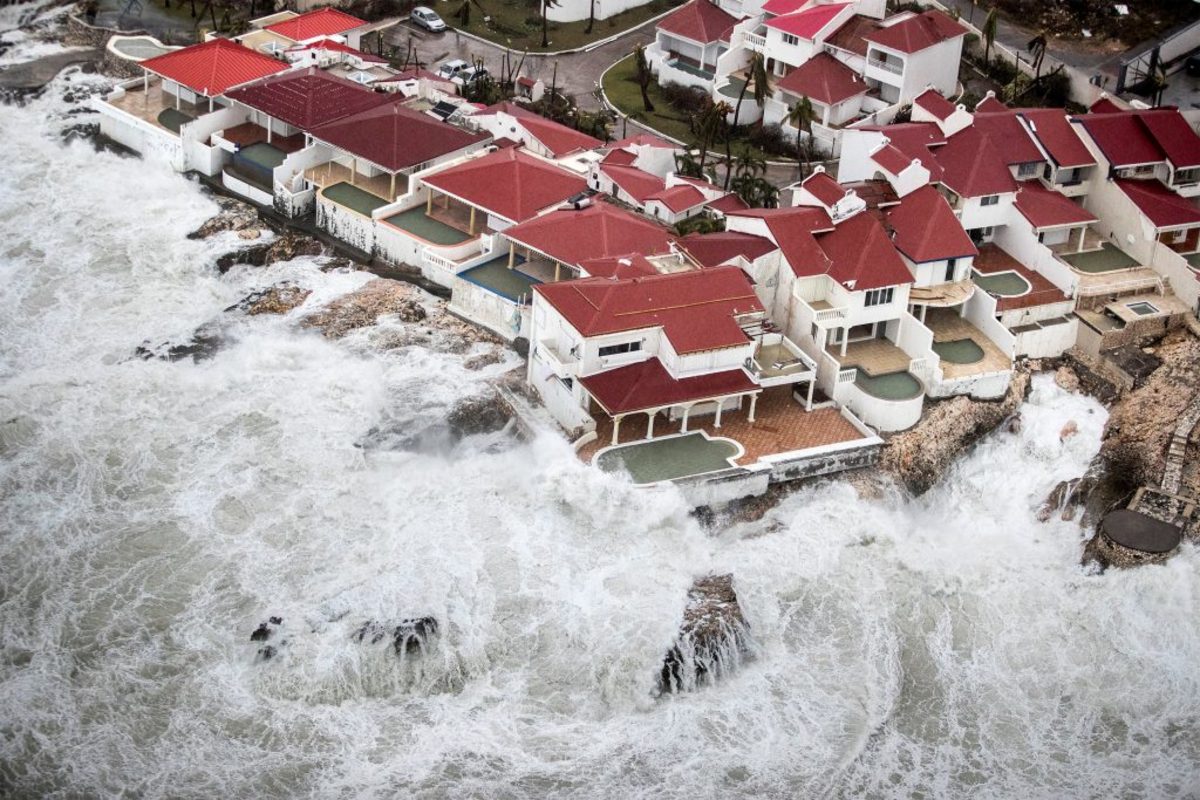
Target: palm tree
(710,126)
(1037,51)
(643,76)
(989,36)
(591,16)
(802,116)
(756,74)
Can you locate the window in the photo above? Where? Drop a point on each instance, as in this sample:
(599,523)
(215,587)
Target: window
(1179,236)
(790,39)
(1027,170)
(1183,176)
(879,297)
(951,266)
(617,349)
(990,200)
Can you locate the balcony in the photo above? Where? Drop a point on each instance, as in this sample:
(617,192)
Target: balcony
(756,41)
(896,68)
(564,365)
(778,361)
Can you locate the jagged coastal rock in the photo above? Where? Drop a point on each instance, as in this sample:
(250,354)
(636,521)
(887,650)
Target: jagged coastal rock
(284,248)
(361,308)
(918,457)
(278,299)
(410,637)
(713,640)
(234,215)
(482,413)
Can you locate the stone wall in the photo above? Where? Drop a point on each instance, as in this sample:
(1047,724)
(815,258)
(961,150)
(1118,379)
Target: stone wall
(79,33)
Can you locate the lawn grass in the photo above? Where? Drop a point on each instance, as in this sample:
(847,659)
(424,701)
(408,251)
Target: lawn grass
(515,24)
(621,88)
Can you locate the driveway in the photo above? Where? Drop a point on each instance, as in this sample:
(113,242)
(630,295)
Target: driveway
(578,73)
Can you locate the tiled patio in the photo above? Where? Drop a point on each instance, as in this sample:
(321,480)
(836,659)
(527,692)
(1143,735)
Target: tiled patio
(146,105)
(875,356)
(248,134)
(330,173)
(781,425)
(948,326)
(992,260)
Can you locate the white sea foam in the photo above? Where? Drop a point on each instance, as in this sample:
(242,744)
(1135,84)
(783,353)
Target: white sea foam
(152,514)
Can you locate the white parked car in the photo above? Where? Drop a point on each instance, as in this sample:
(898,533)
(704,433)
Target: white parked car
(450,69)
(469,75)
(428,19)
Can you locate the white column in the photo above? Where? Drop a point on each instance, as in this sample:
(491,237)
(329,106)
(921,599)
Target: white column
(753,404)
(717,421)
(269,131)
(845,340)
(811,384)
(923,310)
(686,410)
(616,427)
(650,424)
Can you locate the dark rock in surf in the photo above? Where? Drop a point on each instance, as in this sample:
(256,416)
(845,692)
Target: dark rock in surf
(261,633)
(276,620)
(266,653)
(410,637)
(480,414)
(203,344)
(273,300)
(714,638)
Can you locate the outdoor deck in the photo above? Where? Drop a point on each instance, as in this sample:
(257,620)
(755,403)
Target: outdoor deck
(781,426)
(353,198)
(248,134)
(429,227)
(332,173)
(951,329)
(156,108)
(998,273)
(496,277)
(874,356)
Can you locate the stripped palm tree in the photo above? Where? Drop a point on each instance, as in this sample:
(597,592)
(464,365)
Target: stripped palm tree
(989,36)
(711,122)
(756,74)
(643,76)
(802,116)
(1037,51)
(546,6)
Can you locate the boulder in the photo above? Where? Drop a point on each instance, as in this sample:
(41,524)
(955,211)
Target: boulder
(1066,378)
(278,299)
(410,637)
(483,413)
(234,215)
(285,248)
(918,457)
(359,309)
(203,344)
(713,640)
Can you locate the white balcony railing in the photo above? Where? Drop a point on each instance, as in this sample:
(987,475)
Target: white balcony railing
(563,365)
(832,314)
(756,42)
(886,66)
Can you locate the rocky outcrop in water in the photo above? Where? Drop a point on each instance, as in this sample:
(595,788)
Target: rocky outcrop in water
(234,215)
(263,633)
(918,457)
(713,640)
(364,307)
(483,413)
(278,299)
(203,344)
(410,637)
(286,247)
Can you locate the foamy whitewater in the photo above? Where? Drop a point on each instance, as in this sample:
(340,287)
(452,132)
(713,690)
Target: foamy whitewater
(153,513)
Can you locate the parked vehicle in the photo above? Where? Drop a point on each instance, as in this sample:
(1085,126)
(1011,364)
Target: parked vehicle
(428,19)
(450,69)
(470,75)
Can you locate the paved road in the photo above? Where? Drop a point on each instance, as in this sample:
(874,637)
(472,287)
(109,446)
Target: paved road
(578,73)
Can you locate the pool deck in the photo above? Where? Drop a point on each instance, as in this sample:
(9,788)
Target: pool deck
(428,227)
(873,356)
(147,105)
(948,326)
(992,259)
(331,173)
(496,277)
(781,426)
(353,198)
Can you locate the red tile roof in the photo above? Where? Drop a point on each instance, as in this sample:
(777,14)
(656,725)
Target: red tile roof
(325,22)
(679,198)
(696,310)
(728,203)
(213,67)
(1053,130)
(629,265)
(934,103)
(307,98)
(823,187)
(636,183)
(1162,207)
(1045,208)
(926,229)
(781,7)
(912,140)
(1122,139)
(647,384)
(807,23)
(856,252)
(973,166)
(338,47)
(558,139)
(825,79)
(1008,136)
(1104,105)
(700,20)
(1174,136)
(508,183)
(395,137)
(890,158)
(849,36)
(917,32)
(714,249)
(597,231)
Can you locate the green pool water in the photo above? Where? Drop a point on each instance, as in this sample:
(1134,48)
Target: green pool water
(173,120)
(355,198)
(960,351)
(1004,284)
(495,276)
(1106,259)
(263,154)
(668,459)
(431,230)
(890,385)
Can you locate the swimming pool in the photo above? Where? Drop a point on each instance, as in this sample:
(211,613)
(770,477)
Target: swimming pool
(1003,284)
(959,351)
(890,385)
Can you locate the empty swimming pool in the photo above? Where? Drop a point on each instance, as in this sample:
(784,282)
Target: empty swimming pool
(1142,308)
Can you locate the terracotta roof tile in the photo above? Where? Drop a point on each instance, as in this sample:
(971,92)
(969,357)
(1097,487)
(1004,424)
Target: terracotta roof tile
(1045,208)
(395,137)
(714,249)
(307,98)
(1162,207)
(636,183)
(825,79)
(935,104)
(597,231)
(807,24)
(917,32)
(822,186)
(325,22)
(647,385)
(1053,130)
(213,67)
(926,229)
(700,20)
(508,183)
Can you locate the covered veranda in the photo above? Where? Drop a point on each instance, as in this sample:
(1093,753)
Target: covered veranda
(385,185)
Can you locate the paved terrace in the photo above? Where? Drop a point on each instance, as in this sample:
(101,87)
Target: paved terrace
(331,173)
(156,108)
(249,133)
(781,425)
(873,356)
(948,327)
(994,261)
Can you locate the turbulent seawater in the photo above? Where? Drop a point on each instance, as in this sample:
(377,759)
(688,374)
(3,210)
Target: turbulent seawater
(153,513)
